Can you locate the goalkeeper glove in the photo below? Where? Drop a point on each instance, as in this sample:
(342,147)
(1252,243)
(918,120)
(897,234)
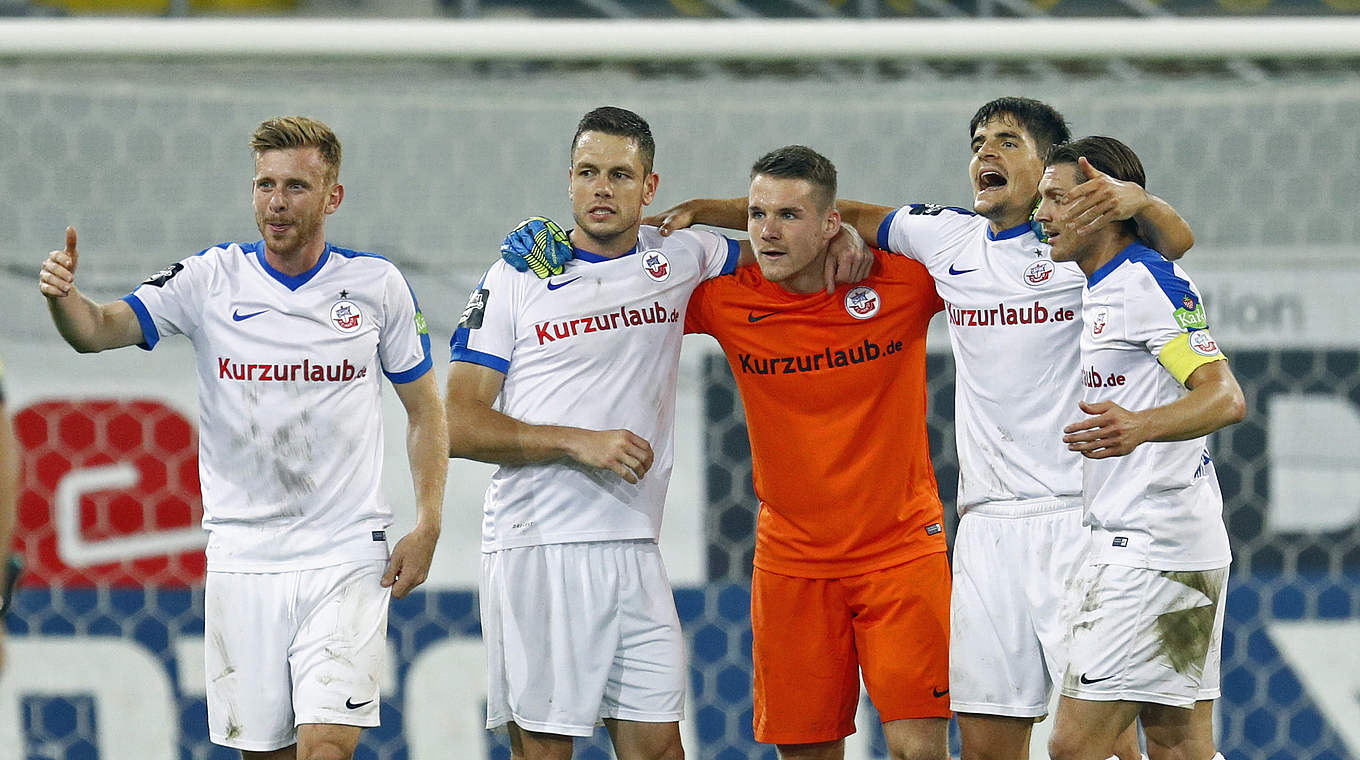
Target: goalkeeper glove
(537,244)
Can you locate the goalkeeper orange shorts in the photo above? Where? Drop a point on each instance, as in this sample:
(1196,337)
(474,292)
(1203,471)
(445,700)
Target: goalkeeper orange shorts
(813,637)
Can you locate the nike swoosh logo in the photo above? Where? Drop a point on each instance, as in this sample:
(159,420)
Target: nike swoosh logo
(952,270)
(561,284)
(753,317)
(239,317)
(1084,679)
(351,704)
(938,693)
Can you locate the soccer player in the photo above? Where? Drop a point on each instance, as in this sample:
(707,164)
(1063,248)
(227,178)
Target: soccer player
(1146,612)
(9,494)
(290,335)
(1013,323)
(850,560)
(577,612)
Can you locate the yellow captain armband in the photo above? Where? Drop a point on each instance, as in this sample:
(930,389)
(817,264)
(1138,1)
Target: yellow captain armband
(1188,352)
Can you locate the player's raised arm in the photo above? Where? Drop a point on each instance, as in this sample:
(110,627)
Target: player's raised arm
(1103,199)
(427,440)
(477,431)
(86,325)
(1215,401)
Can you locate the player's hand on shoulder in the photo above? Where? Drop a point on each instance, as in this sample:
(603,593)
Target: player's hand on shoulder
(58,274)
(1110,431)
(677,217)
(848,259)
(538,245)
(623,452)
(409,565)
(1102,199)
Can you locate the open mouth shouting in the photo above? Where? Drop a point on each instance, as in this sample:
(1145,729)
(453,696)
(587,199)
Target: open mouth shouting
(990,180)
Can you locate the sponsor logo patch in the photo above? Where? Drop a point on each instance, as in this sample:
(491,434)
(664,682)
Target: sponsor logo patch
(1191,318)
(475,309)
(160,278)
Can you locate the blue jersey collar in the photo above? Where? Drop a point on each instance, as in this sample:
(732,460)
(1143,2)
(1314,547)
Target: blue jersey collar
(292,282)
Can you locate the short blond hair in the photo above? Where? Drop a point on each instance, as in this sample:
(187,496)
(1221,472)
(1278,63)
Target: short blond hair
(282,132)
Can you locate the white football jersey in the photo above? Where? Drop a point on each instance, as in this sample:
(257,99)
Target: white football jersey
(1144,332)
(1014,317)
(290,428)
(596,347)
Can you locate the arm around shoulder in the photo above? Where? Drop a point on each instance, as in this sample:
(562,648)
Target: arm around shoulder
(865,218)
(1164,229)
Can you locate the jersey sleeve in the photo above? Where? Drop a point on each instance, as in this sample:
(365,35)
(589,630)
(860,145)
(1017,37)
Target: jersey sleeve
(170,302)
(404,340)
(719,254)
(486,331)
(920,230)
(1168,318)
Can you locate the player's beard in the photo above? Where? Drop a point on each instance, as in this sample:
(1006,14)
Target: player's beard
(599,235)
(300,233)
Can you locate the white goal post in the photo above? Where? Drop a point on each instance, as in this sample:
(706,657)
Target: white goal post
(564,40)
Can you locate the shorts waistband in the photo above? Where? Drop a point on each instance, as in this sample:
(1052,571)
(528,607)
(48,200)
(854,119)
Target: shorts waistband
(1026,508)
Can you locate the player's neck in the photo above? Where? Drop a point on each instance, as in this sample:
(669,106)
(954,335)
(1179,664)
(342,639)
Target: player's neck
(296,262)
(1104,250)
(611,247)
(809,279)
(1002,223)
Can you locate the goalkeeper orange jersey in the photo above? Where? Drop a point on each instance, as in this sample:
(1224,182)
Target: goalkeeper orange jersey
(835,397)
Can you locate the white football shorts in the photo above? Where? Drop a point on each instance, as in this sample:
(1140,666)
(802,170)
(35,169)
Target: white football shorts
(1141,635)
(284,649)
(1012,567)
(579,632)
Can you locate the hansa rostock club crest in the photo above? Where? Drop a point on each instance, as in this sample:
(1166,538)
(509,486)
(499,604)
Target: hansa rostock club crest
(862,302)
(346,317)
(656,265)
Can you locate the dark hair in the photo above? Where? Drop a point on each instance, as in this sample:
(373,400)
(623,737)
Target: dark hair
(1107,155)
(612,120)
(1040,120)
(800,162)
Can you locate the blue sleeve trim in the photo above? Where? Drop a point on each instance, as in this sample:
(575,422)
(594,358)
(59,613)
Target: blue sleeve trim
(733,253)
(150,335)
(414,373)
(1176,289)
(884,228)
(477,357)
